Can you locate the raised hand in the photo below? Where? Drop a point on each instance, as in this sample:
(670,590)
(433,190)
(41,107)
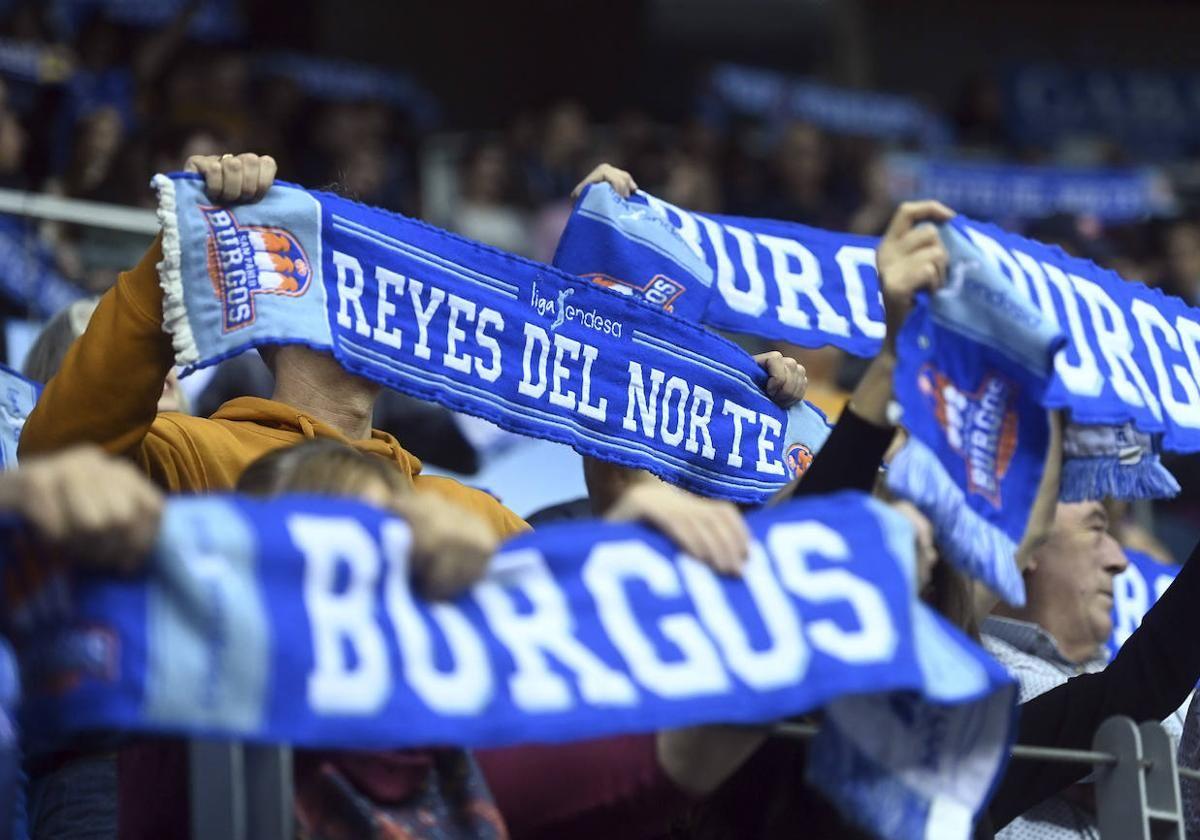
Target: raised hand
(910,258)
(713,532)
(234,178)
(99,511)
(787,380)
(451,545)
(606,173)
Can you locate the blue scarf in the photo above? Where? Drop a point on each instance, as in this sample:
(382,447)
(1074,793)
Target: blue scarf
(215,21)
(770,95)
(1110,383)
(973,364)
(12,788)
(754,276)
(532,349)
(292,621)
(1132,356)
(28,274)
(341,81)
(1152,112)
(1003,191)
(18,396)
(1117,462)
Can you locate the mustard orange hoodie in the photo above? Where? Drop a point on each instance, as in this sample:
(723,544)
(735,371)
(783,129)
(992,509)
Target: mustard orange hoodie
(107,391)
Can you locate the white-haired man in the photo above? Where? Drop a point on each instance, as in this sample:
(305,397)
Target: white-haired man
(1059,633)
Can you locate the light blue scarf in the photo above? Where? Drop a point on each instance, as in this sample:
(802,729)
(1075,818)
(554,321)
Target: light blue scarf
(292,621)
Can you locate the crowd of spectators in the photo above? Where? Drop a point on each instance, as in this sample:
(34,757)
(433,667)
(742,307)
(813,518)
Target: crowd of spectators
(315,436)
(110,103)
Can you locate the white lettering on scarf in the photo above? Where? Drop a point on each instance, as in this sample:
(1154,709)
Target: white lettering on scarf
(686,641)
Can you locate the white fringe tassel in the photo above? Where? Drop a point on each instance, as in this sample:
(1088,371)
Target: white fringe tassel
(170,276)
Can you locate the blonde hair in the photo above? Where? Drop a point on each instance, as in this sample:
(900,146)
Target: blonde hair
(323,467)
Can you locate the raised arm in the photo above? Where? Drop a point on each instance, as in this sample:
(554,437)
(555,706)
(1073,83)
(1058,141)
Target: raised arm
(106,392)
(910,258)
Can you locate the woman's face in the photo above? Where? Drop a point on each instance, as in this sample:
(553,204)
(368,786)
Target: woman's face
(926,548)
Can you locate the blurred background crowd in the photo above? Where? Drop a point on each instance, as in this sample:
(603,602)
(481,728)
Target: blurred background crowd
(1074,122)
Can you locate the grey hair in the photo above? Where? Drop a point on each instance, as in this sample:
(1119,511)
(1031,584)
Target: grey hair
(50,347)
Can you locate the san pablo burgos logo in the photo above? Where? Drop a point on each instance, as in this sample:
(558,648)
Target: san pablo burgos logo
(980,426)
(245,261)
(560,311)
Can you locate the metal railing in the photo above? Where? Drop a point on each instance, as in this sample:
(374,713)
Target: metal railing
(77,211)
(1136,780)
(243,791)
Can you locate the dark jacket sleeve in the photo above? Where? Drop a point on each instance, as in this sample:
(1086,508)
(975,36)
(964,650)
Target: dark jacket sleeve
(1150,678)
(850,458)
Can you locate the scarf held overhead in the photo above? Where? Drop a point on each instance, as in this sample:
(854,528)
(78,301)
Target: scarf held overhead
(580,631)
(1132,353)
(528,347)
(999,191)
(973,362)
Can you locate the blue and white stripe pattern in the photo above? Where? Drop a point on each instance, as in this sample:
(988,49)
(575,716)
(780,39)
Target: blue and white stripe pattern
(524,345)
(1132,353)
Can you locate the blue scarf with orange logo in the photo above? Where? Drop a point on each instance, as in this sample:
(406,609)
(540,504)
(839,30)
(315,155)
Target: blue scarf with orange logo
(524,345)
(973,365)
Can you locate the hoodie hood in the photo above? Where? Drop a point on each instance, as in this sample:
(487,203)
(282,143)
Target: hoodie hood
(287,419)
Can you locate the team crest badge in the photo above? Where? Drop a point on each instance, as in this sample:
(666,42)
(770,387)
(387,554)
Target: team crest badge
(248,260)
(798,459)
(980,426)
(660,291)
